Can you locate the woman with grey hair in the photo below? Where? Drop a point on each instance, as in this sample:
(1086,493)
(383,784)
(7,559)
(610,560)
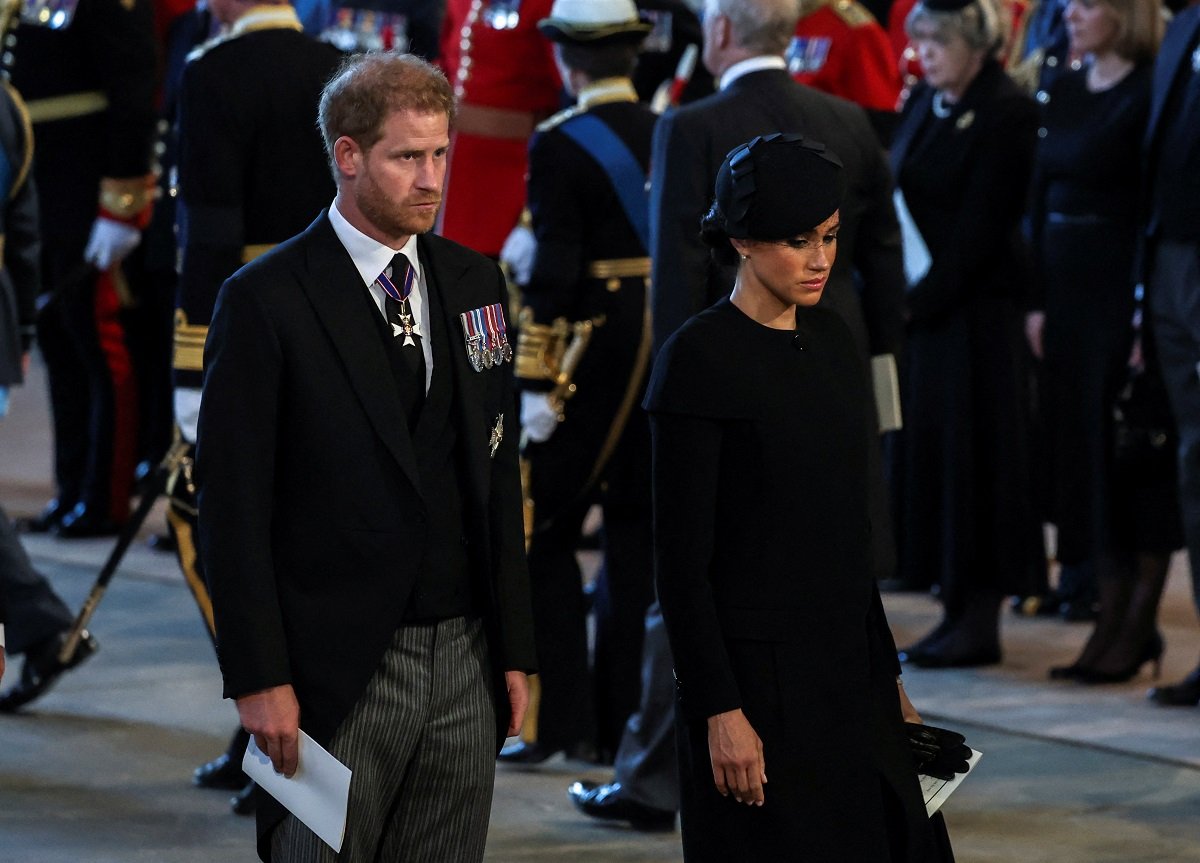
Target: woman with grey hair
(963,156)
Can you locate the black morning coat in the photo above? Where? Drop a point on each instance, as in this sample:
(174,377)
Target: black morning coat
(312,521)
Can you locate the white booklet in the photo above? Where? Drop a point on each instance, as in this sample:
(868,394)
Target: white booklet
(916,254)
(317,793)
(937,790)
(886,382)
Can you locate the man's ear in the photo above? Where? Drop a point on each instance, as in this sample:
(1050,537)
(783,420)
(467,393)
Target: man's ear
(347,155)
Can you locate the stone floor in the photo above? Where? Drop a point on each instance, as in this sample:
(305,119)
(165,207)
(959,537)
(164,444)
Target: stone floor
(97,771)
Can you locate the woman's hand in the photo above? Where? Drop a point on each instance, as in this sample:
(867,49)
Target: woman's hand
(1035,327)
(737,757)
(906,708)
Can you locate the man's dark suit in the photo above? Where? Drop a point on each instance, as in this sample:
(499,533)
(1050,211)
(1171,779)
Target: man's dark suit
(689,146)
(313,525)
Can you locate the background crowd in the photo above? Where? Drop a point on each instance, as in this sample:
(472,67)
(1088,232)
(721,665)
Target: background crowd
(1020,242)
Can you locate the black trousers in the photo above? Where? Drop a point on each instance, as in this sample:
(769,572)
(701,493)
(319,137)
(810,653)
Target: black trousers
(32,610)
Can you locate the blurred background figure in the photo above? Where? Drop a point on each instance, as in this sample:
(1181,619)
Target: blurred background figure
(841,49)
(92,111)
(505,80)
(965,145)
(1120,520)
(586,438)
(36,619)
(247,107)
(1172,261)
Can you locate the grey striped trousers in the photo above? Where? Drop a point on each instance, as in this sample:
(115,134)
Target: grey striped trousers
(421,746)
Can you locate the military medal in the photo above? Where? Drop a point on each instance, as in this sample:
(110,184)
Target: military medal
(496,436)
(807,54)
(486,337)
(406,327)
(54,14)
(503,14)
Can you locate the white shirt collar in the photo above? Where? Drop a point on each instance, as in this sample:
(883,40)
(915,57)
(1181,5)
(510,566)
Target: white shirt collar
(370,256)
(753,64)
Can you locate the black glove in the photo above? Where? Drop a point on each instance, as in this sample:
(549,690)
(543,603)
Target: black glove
(937,752)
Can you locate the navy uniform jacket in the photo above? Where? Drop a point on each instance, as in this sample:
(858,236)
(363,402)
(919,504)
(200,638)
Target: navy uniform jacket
(578,221)
(252,168)
(20,276)
(100,72)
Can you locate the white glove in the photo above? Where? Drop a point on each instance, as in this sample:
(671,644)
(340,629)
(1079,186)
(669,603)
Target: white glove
(538,418)
(110,242)
(518,252)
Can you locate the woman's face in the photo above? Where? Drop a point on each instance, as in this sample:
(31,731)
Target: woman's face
(795,270)
(949,61)
(1092,26)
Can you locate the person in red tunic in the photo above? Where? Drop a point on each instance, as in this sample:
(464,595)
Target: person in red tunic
(503,74)
(840,48)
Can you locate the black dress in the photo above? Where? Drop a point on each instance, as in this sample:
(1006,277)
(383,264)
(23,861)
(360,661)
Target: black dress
(762,557)
(1084,221)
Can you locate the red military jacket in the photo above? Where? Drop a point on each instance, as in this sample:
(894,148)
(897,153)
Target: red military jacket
(841,49)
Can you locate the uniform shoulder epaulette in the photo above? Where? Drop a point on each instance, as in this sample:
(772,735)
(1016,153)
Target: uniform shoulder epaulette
(852,12)
(22,173)
(558,119)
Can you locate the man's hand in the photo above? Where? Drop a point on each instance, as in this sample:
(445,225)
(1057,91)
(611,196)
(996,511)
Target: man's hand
(110,242)
(273,717)
(518,699)
(518,253)
(538,418)
(737,757)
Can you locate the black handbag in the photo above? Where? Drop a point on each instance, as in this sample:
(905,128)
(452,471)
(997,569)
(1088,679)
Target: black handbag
(1144,438)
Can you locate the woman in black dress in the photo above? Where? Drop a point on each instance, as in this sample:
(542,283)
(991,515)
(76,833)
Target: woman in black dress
(1084,222)
(963,157)
(784,663)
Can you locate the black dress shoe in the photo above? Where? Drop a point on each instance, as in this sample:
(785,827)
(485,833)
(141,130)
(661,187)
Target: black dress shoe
(224,772)
(42,669)
(606,801)
(522,752)
(1186,693)
(245,801)
(84,521)
(45,521)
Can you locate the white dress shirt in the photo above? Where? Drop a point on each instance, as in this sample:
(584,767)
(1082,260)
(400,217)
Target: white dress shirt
(371,258)
(754,64)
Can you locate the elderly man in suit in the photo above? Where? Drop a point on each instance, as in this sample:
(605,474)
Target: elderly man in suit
(744,44)
(360,511)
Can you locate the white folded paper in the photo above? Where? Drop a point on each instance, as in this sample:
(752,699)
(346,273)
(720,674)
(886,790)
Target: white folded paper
(937,790)
(916,253)
(317,793)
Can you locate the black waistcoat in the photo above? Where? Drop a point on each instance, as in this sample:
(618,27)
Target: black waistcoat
(443,586)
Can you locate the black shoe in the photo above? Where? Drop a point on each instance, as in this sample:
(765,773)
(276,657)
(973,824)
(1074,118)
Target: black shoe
(522,752)
(950,657)
(84,521)
(245,801)
(45,521)
(42,669)
(1185,693)
(1152,651)
(223,772)
(605,801)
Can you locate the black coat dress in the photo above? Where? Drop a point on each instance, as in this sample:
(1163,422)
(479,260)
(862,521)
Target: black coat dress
(1084,221)
(962,476)
(762,544)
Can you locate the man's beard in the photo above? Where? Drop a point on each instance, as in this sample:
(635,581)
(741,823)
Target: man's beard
(393,218)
